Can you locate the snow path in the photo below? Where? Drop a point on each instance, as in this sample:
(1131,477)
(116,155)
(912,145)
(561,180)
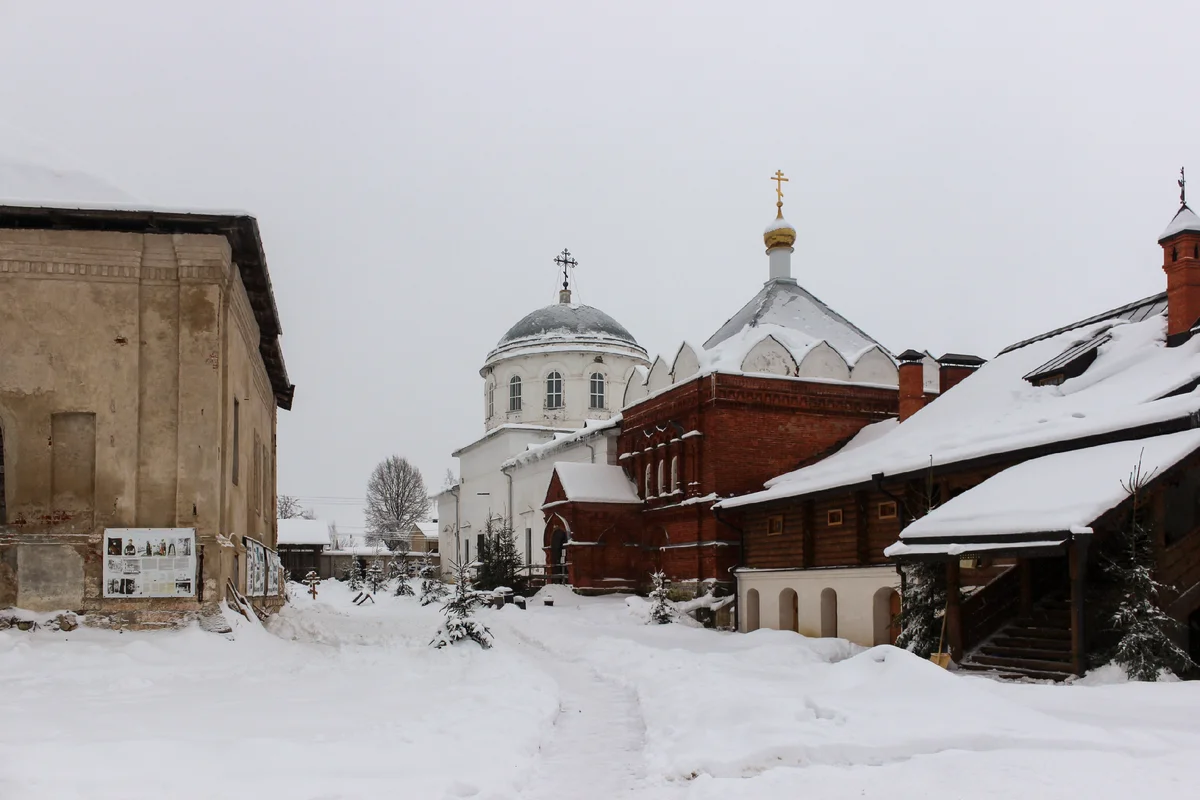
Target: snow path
(598,734)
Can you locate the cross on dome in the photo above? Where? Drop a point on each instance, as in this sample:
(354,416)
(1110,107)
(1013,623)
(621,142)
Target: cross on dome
(565,261)
(1182,187)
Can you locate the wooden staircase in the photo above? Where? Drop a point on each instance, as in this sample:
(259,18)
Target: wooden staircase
(1037,646)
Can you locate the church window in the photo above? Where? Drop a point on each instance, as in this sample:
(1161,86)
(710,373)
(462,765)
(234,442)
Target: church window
(674,473)
(649,485)
(236,437)
(491,399)
(514,393)
(554,390)
(662,489)
(597,390)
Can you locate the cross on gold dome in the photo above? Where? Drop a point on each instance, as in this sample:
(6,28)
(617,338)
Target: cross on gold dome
(779,181)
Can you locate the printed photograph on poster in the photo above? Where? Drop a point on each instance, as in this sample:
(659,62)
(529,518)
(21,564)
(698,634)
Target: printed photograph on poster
(272,573)
(149,562)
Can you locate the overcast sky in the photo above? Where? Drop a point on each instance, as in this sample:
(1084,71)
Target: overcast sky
(960,178)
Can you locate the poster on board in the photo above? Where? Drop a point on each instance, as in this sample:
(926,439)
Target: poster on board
(273,569)
(149,562)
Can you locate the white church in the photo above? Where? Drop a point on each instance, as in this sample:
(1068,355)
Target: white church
(552,387)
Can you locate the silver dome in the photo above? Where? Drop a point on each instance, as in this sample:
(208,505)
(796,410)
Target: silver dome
(567,321)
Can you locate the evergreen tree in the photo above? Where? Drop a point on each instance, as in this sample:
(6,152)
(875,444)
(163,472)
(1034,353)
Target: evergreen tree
(432,589)
(403,587)
(459,612)
(376,579)
(499,561)
(660,608)
(1144,646)
(922,601)
(355,575)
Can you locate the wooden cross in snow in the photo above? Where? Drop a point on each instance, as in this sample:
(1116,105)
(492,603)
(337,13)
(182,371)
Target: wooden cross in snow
(311,580)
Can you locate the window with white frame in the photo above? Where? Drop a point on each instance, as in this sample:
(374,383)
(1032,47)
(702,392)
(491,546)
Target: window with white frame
(596,394)
(554,390)
(662,487)
(514,393)
(674,473)
(649,485)
(491,399)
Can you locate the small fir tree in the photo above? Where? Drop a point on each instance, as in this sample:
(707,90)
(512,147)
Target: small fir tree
(376,579)
(660,608)
(1144,645)
(499,561)
(403,587)
(355,577)
(922,601)
(459,611)
(432,589)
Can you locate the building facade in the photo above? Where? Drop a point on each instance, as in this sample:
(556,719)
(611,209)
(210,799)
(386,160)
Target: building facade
(140,378)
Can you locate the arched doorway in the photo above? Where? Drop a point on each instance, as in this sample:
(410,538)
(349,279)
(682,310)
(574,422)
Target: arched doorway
(789,610)
(829,617)
(558,556)
(886,615)
(752,610)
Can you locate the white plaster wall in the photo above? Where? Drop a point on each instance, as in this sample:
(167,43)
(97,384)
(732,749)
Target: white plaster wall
(855,587)
(874,366)
(483,488)
(824,362)
(576,368)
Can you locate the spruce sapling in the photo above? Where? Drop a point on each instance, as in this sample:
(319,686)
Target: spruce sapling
(660,608)
(459,611)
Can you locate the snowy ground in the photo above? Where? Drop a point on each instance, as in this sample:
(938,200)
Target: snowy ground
(582,700)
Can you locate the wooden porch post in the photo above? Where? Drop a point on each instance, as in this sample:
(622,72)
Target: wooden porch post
(1025,567)
(1078,565)
(954,631)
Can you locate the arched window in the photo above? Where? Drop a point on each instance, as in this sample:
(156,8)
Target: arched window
(674,473)
(662,487)
(491,399)
(514,393)
(829,615)
(554,390)
(649,485)
(751,611)
(597,391)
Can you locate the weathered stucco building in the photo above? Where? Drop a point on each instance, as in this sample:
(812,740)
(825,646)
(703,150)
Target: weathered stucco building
(140,374)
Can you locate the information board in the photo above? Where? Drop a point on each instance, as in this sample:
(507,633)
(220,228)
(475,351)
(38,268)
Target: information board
(149,562)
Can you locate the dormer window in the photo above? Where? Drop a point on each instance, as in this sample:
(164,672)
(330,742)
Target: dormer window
(1071,363)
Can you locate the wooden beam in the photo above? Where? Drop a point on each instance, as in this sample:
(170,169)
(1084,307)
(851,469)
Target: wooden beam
(954,627)
(1078,565)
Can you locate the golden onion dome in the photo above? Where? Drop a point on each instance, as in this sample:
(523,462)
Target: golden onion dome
(779,233)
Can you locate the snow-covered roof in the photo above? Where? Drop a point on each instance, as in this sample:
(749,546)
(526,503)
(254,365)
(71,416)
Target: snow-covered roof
(1058,493)
(786,304)
(428,529)
(541,450)
(1185,220)
(1132,382)
(595,483)
(508,427)
(303,532)
(25,183)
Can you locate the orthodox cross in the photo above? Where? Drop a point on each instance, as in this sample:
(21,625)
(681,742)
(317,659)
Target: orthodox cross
(564,260)
(1182,187)
(312,579)
(779,181)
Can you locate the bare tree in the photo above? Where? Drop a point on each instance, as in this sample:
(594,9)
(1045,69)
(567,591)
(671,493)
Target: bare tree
(396,500)
(288,507)
(449,481)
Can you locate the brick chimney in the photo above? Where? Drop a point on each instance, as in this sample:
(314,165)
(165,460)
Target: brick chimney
(912,383)
(1181,261)
(954,367)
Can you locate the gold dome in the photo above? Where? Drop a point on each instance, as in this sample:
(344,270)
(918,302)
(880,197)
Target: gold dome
(779,233)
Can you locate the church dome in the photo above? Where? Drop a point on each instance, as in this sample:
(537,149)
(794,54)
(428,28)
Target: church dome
(566,321)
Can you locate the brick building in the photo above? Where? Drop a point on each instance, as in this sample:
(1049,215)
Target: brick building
(140,379)
(1014,481)
(783,382)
